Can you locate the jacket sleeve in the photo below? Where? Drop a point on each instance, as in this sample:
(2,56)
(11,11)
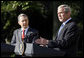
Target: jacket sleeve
(13,41)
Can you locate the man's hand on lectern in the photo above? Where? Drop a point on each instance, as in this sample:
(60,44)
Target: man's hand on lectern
(42,41)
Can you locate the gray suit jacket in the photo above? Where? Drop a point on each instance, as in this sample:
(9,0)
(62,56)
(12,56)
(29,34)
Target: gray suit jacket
(30,37)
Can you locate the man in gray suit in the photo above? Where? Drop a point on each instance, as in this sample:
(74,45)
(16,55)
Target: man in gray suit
(67,36)
(24,34)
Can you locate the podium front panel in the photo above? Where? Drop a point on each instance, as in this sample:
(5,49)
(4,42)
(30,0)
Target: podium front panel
(34,50)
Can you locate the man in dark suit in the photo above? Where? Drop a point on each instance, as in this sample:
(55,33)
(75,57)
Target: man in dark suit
(24,34)
(67,36)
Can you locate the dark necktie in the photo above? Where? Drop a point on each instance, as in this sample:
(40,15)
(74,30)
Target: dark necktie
(23,34)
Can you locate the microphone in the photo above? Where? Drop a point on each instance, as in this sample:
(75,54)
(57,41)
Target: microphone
(31,37)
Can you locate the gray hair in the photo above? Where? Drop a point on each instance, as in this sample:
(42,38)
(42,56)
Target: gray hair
(24,15)
(66,8)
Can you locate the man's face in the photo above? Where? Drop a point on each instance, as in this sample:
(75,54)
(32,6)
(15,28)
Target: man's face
(23,22)
(62,16)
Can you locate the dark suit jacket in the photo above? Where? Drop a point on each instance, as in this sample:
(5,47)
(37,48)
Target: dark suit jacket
(30,37)
(67,39)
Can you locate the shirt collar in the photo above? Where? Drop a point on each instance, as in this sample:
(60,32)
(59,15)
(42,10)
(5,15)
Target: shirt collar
(25,29)
(66,21)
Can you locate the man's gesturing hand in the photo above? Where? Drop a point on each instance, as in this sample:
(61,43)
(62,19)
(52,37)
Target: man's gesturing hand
(42,41)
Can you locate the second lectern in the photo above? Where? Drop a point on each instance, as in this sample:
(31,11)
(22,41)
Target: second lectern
(34,50)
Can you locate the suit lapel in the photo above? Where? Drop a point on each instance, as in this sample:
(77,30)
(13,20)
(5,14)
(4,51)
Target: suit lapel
(19,36)
(28,35)
(65,26)
(61,33)
(28,32)
(62,30)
